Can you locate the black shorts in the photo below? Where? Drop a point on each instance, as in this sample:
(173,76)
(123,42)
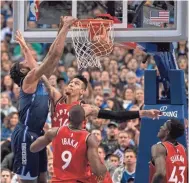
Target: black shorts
(27,164)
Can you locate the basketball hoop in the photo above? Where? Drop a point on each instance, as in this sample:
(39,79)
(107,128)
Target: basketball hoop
(92,39)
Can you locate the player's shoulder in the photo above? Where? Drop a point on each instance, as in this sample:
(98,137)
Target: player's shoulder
(157,145)
(158,148)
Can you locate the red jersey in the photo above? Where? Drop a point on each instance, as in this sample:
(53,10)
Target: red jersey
(61,114)
(70,156)
(176,164)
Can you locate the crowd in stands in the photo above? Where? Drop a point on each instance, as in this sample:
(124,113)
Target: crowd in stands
(119,85)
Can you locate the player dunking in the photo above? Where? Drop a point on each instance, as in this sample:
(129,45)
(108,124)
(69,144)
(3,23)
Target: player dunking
(73,149)
(34,106)
(169,160)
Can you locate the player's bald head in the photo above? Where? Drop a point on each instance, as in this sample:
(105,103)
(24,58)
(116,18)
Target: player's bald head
(77,115)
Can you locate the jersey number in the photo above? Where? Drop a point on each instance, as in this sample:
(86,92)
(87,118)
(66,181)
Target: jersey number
(66,157)
(174,177)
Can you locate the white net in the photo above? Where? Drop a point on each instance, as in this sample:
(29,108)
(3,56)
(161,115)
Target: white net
(92,40)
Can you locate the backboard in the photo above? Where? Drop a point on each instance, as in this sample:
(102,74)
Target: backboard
(136,21)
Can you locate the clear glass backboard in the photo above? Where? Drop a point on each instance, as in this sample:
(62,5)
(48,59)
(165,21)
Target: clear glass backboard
(137,21)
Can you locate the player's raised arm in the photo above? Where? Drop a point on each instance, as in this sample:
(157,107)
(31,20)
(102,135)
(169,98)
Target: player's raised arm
(54,54)
(158,157)
(44,140)
(53,92)
(98,168)
(25,50)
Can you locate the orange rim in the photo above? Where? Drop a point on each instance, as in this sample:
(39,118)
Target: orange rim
(85,23)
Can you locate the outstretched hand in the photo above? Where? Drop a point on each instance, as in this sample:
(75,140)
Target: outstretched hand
(26,50)
(68,21)
(21,41)
(90,110)
(152,113)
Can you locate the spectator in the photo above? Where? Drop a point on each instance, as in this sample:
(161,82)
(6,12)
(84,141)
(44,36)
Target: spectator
(98,134)
(7,84)
(127,171)
(110,142)
(61,72)
(117,53)
(132,129)
(5,176)
(128,98)
(114,80)
(124,142)
(6,8)
(61,83)
(5,68)
(88,95)
(97,89)
(105,63)
(71,72)
(123,74)
(182,48)
(139,96)
(7,129)
(183,63)
(97,123)
(8,29)
(6,104)
(114,162)
(113,67)
(141,69)
(114,159)
(127,58)
(98,100)
(32,25)
(114,104)
(15,95)
(132,65)
(110,103)
(105,79)
(101,153)
(131,80)
(4,56)
(100,130)
(95,75)
(53,81)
